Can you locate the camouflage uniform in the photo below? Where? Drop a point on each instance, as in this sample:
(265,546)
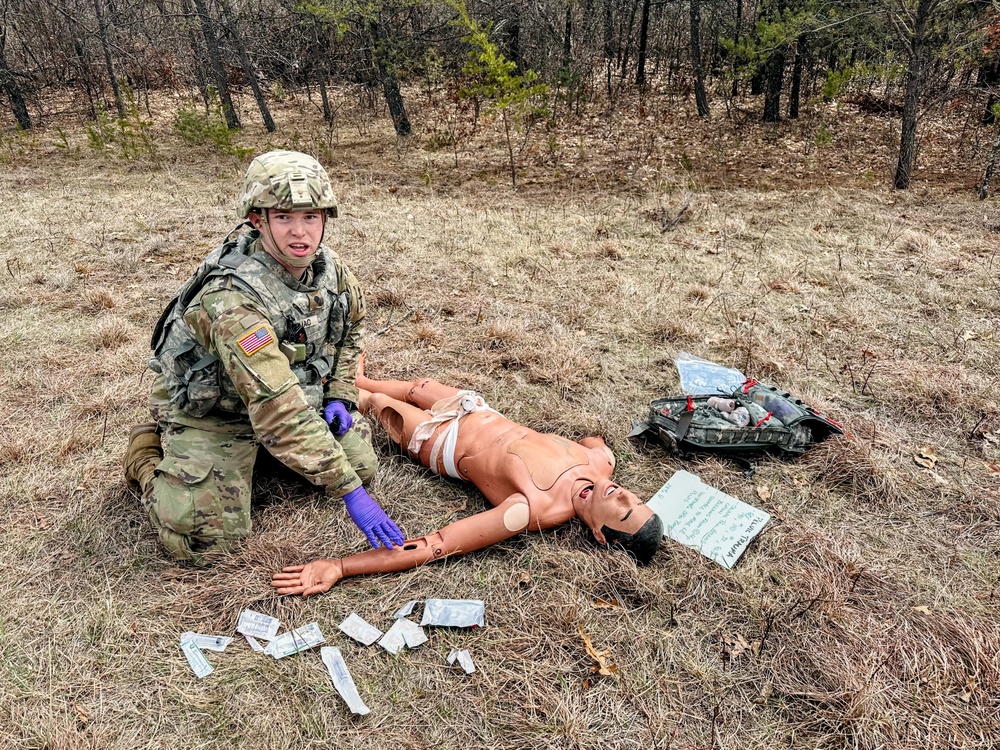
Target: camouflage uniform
(246,355)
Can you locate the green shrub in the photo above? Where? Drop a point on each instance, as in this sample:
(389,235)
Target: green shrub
(200,127)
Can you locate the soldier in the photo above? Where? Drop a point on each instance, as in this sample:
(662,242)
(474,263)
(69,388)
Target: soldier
(259,347)
(534,481)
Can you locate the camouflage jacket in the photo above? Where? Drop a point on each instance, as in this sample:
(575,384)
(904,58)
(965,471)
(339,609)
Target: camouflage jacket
(244,345)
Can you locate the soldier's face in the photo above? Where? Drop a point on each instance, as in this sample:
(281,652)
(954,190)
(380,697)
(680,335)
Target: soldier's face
(291,237)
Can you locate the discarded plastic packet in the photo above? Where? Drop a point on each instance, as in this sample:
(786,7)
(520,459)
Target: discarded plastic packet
(342,680)
(196,659)
(208,642)
(464,659)
(254,643)
(394,638)
(699,375)
(360,629)
(257,624)
(413,634)
(453,613)
(295,641)
(406,610)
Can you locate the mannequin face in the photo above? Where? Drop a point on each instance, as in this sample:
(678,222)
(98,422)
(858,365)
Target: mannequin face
(600,502)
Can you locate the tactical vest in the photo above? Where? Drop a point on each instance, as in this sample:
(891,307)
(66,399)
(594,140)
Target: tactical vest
(303,321)
(778,422)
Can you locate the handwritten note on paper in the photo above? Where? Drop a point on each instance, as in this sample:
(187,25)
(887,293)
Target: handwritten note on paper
(706,519)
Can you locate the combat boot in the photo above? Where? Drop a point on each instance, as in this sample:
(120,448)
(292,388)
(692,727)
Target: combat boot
(144,452)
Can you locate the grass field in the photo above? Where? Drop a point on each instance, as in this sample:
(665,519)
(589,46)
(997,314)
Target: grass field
(866,615)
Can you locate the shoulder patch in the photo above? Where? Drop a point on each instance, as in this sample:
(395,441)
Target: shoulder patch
(255,340)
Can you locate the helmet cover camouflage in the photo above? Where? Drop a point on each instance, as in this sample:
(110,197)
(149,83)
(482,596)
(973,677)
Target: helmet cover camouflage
(288,180)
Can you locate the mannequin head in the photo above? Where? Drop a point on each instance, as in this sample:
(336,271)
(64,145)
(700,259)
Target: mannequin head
(616,517)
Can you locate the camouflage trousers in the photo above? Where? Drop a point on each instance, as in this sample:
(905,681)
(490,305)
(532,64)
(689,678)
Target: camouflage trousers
(199,497)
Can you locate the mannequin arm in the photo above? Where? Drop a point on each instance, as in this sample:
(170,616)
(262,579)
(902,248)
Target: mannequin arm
(504,521)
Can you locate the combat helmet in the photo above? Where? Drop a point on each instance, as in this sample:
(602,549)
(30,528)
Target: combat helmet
(289,180)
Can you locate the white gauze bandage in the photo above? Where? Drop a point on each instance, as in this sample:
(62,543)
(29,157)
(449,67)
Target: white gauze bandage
(450,409)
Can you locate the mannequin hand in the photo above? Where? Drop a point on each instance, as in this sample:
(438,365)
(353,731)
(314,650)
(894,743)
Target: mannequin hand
(371,519)
(314,578)
(338,417)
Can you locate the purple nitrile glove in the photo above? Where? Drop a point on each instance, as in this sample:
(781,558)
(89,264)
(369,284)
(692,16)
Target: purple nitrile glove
(338,417)
(371,519)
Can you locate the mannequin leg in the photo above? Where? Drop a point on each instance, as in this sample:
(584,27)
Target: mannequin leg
(398,418)
(423,393)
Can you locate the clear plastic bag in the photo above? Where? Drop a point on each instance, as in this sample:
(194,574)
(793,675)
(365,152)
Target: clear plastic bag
(699,376)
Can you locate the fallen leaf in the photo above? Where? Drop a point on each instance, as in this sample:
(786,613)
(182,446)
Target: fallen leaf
(734,645)
(925,457)
(993,469)
(937,477)
(763,492)
(603,666)
(602,603)
(970,689)
(766,692)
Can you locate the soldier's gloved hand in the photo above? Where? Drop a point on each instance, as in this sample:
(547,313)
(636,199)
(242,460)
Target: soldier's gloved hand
(371,519)
(338,416)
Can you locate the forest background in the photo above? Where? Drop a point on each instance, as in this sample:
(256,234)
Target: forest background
(546,201)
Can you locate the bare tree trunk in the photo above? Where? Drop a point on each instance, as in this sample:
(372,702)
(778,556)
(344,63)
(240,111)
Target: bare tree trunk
(248,69)
(736,44)
(390,82)
(699,75)
(984,187)
(914,83)
(797,63)
(609,47)
(513,35)
(215,61)
(567,57)
(640,75)
(10,86)
(987,78)
(102,26)
(774,79)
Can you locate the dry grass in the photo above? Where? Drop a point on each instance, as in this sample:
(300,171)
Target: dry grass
(865,616)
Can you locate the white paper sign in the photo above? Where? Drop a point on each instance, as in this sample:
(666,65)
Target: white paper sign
(706,519)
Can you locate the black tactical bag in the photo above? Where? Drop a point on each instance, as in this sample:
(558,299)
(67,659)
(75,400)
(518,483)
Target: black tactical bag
(778,422)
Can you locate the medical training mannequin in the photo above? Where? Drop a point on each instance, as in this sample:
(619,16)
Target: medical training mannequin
(534,481)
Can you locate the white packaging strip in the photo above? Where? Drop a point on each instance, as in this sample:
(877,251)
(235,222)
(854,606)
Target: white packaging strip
(454,613)
(254,643)
(413,634)
(295,641)
(208,642)
(406,610)
(464,659)
(394,640)
(360,630)
(342,680)
(199,664)
(257,624)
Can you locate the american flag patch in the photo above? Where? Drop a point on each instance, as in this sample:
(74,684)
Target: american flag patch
(255,340)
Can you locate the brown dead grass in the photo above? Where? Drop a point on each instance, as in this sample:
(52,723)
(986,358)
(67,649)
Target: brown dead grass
(865,616)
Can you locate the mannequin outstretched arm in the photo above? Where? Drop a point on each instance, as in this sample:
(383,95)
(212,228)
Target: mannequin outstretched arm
(504,521)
